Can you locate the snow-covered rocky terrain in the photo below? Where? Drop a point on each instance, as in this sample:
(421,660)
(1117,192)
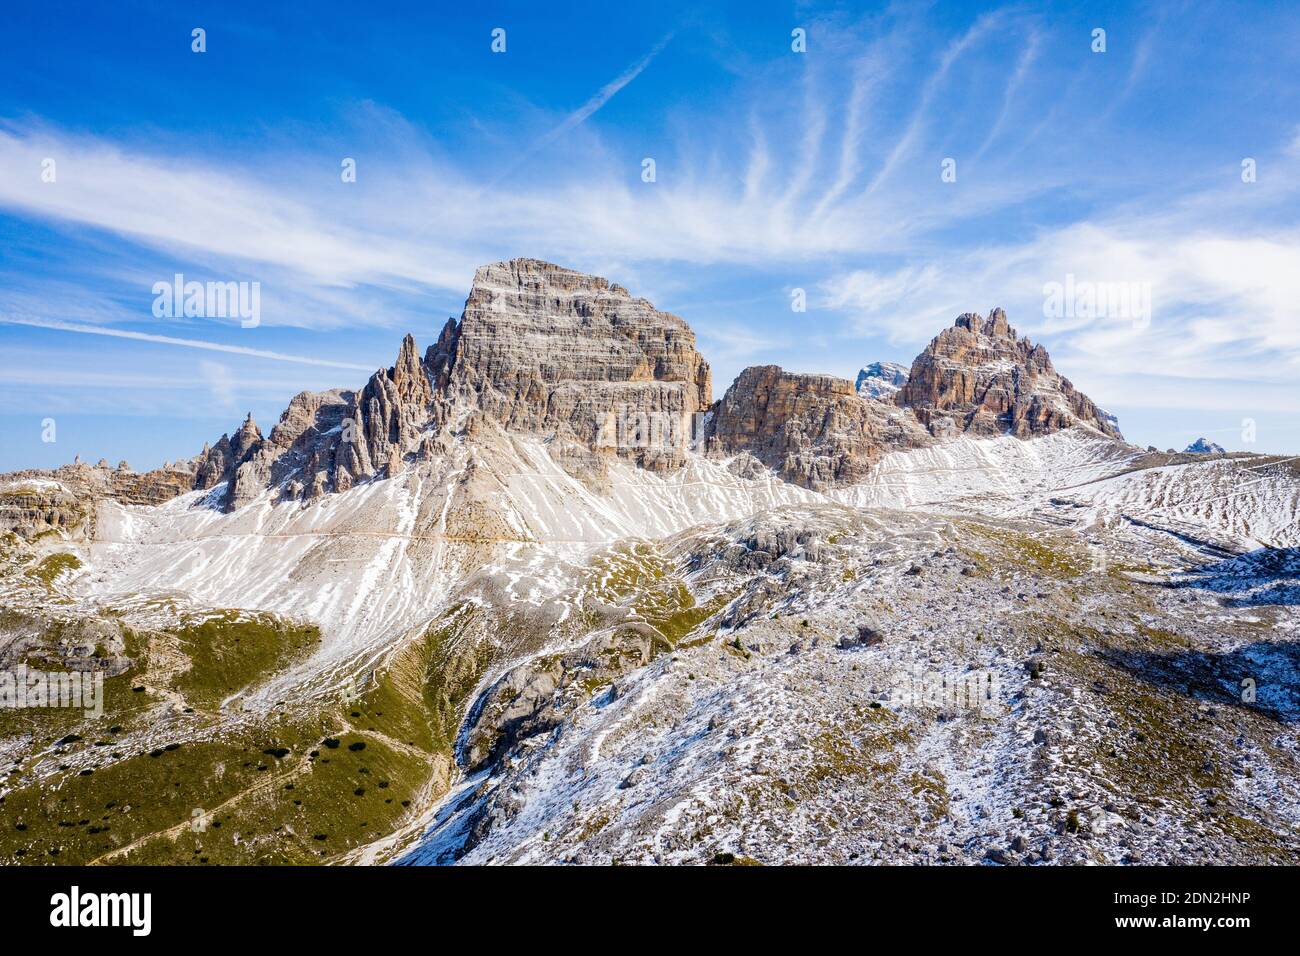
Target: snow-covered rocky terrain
(880,380)
(1050,671)
(507,623)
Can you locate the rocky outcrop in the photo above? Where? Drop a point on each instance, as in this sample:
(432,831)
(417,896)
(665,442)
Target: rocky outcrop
(238,462)
(550,351)
(1203,446)
(597,373)
(814,430)
(528,699)
(63,499)
(539,349)
(977,378)
(881,380)
(33,507)
(980,378)
(386,421)
(327,441)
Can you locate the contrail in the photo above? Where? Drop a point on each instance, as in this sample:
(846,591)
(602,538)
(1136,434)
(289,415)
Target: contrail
(187,343)
(603,95)
(578,116)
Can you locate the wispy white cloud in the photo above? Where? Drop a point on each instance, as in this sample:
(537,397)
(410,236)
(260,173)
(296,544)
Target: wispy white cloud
(431,226)
(923,114)
(220,383)
(815,179)
(1023,65)
(729,342)
(188,204)
(1222,330)
(74,327)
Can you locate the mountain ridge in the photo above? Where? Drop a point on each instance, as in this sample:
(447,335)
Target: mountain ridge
(545,350)
(523,593)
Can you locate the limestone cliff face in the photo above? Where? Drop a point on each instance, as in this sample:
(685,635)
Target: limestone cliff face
(814,430)
(298,448)
(977,378)
(598,373)
(547,350)
(328,441)
(980,378)
(63,499)
(539,350)
(386,421)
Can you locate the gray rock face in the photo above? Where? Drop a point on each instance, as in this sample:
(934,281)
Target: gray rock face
(539,349)
(881,380)
(63,499)
(980,378)
(299,445)
(526,701)
(385,422)
(600,374)
(814,430)
(543,349)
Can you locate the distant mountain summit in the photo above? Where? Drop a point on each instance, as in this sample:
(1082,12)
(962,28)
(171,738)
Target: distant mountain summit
(881,380)
(1203,446)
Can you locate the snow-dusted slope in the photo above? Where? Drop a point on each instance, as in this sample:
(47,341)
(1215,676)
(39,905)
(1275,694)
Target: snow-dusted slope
(369,564)
(988,473)
(1079,478)
(973,552)
(1115,729)
(1254,502)
(372,563)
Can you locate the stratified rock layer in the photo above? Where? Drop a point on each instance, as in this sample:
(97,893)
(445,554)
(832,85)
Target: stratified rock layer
(546,350)
(815,430)
(980,378)
(34,502)
(539,349)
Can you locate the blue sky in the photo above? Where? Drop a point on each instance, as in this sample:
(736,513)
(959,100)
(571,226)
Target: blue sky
(775,171)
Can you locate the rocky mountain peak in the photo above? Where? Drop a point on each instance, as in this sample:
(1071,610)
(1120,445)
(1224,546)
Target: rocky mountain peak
(979,377)
(544,349)
(539,349)
(556,325)
(247,436)
(441,356)
(814,430)
(995,326)
(598,374)
(1203,446)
